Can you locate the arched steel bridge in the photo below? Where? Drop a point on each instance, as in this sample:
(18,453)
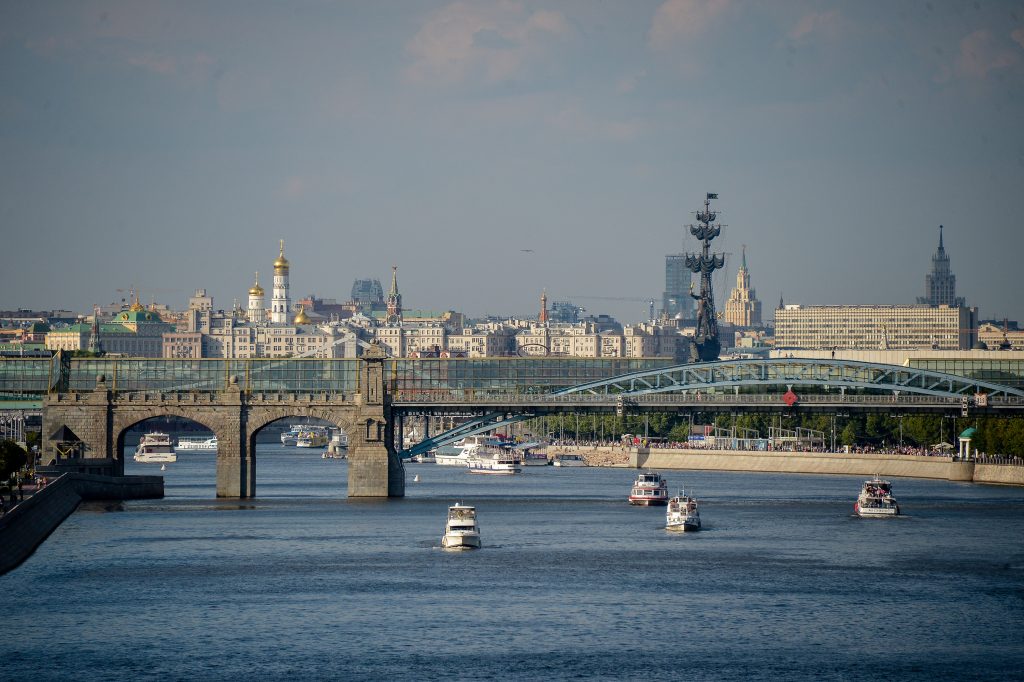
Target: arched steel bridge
(751,385)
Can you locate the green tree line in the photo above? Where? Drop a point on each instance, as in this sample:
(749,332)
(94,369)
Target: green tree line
(995,435)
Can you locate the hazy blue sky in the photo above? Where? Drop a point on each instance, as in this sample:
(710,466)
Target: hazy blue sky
(169,145)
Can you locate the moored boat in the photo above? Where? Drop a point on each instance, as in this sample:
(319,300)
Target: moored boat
(876,500)
(461,530)
(155,447)
(569,460)
(487,460)
(425,458)
(649,489)
(315,437)
(337,448)
(682,513)
(196,445)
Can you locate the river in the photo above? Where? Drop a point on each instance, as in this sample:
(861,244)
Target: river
(301,583)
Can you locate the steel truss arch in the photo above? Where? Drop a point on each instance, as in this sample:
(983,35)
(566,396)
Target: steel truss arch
(793,372)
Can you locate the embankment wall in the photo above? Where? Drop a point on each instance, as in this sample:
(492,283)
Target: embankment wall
(909,466)
(25,527)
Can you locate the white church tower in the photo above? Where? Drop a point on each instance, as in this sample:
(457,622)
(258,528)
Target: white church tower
(280,304)
(256,313)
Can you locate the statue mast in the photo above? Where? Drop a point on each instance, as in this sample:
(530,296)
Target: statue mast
(706,344)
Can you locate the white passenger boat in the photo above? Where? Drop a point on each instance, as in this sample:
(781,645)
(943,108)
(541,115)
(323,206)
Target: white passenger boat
(196,445)
(649,489)
(460,458)
(876,500)
(425,458)
(569,461)
(682,513)
(487,460)
(155,447)
(291,435)
(461,530)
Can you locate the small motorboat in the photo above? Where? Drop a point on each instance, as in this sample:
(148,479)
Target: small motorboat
(461,530)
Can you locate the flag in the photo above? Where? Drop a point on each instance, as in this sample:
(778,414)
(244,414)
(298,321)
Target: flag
(712,196)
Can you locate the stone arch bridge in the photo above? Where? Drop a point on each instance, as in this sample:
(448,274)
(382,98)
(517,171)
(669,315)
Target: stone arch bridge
(99,419)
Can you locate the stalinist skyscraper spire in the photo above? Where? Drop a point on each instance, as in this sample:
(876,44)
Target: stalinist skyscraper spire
(940,283)
(743,309)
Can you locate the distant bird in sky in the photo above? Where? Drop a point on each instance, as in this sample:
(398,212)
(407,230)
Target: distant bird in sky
(526,250)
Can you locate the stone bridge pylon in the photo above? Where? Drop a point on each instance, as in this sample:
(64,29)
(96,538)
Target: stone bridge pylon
(85,431)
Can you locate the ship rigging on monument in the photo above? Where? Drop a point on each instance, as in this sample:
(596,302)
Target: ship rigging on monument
(705,345)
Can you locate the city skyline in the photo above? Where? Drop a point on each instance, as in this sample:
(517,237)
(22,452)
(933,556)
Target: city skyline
(492,150)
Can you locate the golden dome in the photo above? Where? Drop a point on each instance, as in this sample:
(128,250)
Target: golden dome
(301,317)
(256,289)
(281,264)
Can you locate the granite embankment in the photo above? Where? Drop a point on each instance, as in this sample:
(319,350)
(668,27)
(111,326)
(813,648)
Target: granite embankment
(31,521)
(911,466)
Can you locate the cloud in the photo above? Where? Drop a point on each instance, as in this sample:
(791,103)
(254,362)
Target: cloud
(677,19)
(490,43)
(1018,36)
(815,23)
(574,119)
(981,54)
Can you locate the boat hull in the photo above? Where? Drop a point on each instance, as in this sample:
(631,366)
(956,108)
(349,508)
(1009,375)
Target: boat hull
(648,502)
(683,527)
(156,458)
(876,512)
(460,541)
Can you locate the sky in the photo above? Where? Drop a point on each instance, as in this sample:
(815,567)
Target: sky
(491,150)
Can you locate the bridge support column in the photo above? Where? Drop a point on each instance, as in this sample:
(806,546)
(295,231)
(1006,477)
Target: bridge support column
(374,469)
(236,465)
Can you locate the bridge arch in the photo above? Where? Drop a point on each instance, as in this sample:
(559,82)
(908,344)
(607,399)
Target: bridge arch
(261,417)
(125,420)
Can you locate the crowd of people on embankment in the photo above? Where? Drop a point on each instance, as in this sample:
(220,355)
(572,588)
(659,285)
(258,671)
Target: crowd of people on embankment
(20,487)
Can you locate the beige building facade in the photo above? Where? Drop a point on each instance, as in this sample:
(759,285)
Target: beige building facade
(875,327)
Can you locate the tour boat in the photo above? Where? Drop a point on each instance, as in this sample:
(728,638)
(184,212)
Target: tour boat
(876,500)
(196,445)
(682,513)
(569,461)
(488,460)
(312,438)
(649,489)
(461,530)
(425,458)
(155,447)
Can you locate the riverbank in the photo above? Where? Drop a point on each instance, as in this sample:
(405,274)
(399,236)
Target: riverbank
(909,466)
(31,521)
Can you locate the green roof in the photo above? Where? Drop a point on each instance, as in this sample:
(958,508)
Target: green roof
(137,316)
(969,432)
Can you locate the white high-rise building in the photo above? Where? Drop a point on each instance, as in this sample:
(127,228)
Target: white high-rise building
(255,312)
(280,304)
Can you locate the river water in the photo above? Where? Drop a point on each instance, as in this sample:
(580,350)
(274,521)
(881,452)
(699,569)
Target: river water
(301,583)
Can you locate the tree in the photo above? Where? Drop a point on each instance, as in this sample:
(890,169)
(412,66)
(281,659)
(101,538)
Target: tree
(849,434)
(12,458)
